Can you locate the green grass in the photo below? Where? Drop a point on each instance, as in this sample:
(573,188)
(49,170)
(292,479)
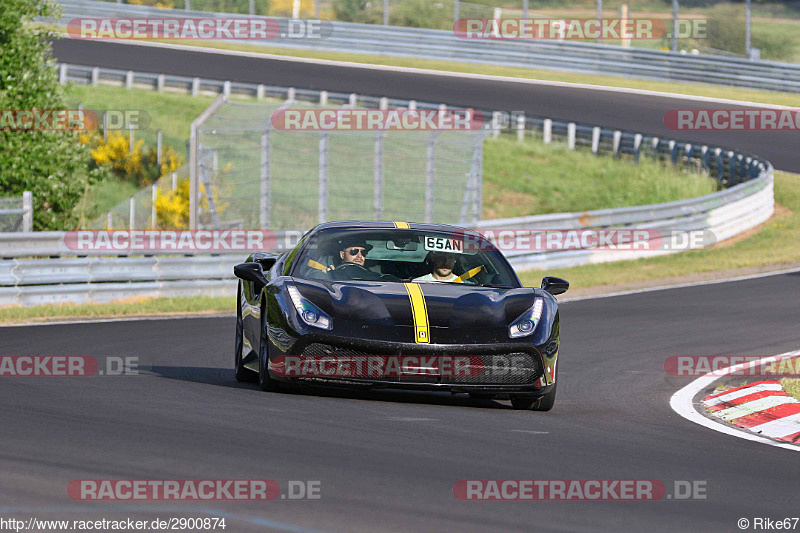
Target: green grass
(791,386)
(778,242)
(105,195)
(533,178)
(132,307)
(170,112)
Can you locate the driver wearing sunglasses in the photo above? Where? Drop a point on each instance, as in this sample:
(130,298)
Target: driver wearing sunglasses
(353,251)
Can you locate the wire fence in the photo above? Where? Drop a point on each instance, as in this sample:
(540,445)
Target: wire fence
(16,213)
(162,205)
(253,175)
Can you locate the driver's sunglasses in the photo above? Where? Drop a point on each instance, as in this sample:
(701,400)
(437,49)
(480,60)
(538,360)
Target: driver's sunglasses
(355,251)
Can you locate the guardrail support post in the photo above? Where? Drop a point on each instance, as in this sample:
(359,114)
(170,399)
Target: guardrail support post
(383,104)
(159,146)
(322,206)
(195,86)
(571,135)
(412,105)
(62,74)
(323,98)
(226,89)
(520,127)
(260,91)
(129,79)
(95,76)
(131,141)
(109,221)
(174,180)
(617,139)
(160,82)
(131,213)
(27,216)
(496,118)
(596,139)
(547,131)
(673,152)
(153,212)
(353,100)
(378,176)
(637,146)
(705,155)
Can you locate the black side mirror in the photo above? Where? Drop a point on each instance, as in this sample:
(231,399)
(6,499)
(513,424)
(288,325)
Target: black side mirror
(250,272)
(266,260)
(555,285)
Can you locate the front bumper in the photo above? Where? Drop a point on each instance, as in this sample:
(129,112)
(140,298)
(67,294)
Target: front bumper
(496,368)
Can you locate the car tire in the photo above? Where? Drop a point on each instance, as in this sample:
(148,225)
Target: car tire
(265,382)
(241,372)
(541,403)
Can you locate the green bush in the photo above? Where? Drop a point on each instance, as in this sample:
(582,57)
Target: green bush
(775,46)
(51,164)
(726,28)
(358,11)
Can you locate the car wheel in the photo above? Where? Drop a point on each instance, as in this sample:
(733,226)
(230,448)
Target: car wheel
(522,402)
(264,381)
(542,403)
(242,373)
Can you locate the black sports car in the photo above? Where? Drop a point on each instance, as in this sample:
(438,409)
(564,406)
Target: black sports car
(392,304)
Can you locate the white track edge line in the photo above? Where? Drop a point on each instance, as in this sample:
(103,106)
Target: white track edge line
(468,75)
(683,285)
(682,403)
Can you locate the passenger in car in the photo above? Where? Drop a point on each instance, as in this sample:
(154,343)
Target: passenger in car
(443,264)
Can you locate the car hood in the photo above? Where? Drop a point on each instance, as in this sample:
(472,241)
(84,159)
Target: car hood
(448,305)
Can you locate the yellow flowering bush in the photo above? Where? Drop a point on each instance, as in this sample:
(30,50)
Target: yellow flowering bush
(139,166)
(164,4)
(172,207)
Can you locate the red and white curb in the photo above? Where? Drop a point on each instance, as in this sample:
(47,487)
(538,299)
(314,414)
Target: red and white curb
(682,402)
(762,407)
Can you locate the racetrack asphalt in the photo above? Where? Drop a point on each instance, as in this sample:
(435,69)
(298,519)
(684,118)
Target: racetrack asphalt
(387,461)
(634,112)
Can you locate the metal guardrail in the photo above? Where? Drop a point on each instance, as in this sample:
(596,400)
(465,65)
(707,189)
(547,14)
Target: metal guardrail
(549,55)
(96,279)
(746,200)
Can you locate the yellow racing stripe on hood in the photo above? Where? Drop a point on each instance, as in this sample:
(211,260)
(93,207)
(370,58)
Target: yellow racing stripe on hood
(419,313)
(401,225)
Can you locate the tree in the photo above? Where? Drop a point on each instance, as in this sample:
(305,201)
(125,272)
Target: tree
(51,164)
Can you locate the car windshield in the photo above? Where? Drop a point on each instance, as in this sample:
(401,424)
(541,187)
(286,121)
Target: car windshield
(403,255)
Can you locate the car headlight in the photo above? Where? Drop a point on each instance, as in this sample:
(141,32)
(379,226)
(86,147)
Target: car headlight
(526,324)
(308,312)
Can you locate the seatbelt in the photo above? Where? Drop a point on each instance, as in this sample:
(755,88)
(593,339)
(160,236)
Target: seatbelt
(316,265)
(466,275)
